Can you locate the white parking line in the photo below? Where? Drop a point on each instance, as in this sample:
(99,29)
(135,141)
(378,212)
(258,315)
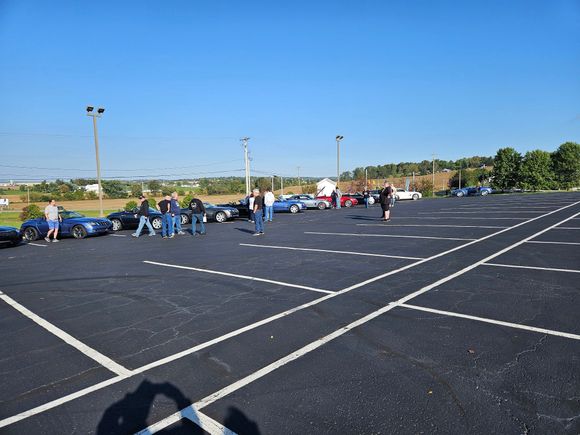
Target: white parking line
(480,211)
(470,217)
(117,235)
(234,275)
(166,360)
(495,322)
(220,394)
(387,235)
(531,267)
(554,243)
(67,338)
(36,244)
(567,228)
(428,225)
(365,254)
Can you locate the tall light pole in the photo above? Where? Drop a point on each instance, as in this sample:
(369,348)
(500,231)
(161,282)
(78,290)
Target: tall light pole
(433,194)
(247,164)
(338,139)
(90,112)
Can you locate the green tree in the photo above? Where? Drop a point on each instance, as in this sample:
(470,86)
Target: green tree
(31,212)
(130,205)
(566,163)
(114,189)
(154,186)
(506,168)
(536,171)
(136,190)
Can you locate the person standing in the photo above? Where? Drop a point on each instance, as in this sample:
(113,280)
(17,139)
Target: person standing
(258,212)
(143,218)
(366,195)
(393,195)
(176,213)
(385,200)
(53,219)
(333,198)
(338,197)
(167,221)
(251,207)
(269,200)
(197,215)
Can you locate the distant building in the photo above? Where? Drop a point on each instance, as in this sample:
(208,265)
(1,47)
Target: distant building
(92,188)
(325,187)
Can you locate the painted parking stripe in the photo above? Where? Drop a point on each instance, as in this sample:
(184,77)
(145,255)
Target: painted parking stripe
(553,243)
(387,235)
(480,211)
(36,244)
(166,360)
(471,217)
(365,254)
(220,394)
(567,228)
(494,322)
(429,225)
(117,235)
(67,338)
(234,275)
(515,266)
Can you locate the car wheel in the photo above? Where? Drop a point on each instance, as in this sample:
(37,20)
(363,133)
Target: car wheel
(294,209)
(371,200)
(221,217)
(348,203)
(415,197)
(460,194)
(117,224)
(484,192)
(79,232)
(321,206)
(397,197)
(184,219)
(31,234)
(157,223)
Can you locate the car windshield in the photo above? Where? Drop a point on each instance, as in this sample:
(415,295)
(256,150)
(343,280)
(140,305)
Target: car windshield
(151,210)
(209,204)
(70,214)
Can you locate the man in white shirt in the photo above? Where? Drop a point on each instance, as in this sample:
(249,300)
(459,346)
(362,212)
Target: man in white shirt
(269,200)
(52,218)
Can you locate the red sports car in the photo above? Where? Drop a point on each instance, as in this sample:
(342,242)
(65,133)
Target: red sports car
(345,201)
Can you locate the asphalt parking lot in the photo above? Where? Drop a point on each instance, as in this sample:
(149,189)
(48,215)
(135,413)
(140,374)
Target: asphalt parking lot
(460,315)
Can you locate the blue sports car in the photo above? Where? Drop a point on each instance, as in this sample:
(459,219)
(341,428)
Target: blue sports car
(72,224)
(471,191)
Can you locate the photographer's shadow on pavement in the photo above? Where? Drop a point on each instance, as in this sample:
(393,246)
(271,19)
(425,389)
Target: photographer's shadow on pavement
(129,415)
(237,422)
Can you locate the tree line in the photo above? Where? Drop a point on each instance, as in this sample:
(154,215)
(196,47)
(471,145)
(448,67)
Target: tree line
(537,169)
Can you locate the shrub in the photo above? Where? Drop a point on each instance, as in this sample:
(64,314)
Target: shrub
(31,212)
(425,186)
(130,205)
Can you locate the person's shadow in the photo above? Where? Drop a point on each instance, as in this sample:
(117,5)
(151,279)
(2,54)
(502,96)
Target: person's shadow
(245,230)
(237,421)
(129,415)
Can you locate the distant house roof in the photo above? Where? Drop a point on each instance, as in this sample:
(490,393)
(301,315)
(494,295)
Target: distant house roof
(327,180)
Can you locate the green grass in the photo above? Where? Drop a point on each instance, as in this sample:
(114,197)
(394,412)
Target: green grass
(11,219)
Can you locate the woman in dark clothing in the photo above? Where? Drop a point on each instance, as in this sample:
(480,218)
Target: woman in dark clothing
(385,200)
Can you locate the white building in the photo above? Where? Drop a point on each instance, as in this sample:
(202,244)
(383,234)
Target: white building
(325,187)
(92,188)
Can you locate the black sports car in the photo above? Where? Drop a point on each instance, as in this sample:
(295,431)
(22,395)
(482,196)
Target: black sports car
(10,236)
(216,213)
(130,219)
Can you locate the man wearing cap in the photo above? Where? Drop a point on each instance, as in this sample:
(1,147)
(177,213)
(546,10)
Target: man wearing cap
(143,217)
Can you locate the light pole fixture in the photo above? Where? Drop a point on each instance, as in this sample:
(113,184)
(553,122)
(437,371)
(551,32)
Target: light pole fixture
(90,112)
(338,139)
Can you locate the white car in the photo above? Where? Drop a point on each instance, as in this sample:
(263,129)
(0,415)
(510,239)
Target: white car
(401,194)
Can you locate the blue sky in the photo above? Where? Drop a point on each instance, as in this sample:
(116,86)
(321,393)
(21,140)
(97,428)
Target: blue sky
(182,81)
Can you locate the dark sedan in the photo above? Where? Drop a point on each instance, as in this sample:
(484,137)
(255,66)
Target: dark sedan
(124,219)
(214,213)
(10,236)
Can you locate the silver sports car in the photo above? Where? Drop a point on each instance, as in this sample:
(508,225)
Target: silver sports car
(310,201)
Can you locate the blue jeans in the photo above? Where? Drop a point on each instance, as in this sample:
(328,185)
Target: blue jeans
(194,218)
(337,202)
(366,203)
(259,217)
(144,220)
(177,223)
(167,225)
(269,212)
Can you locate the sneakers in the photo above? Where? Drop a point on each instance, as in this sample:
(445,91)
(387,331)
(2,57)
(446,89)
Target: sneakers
(257,234)
(181,233)
(172,236)
(55,240)
(47,239)
(152,234)
(165,237)
(134,235)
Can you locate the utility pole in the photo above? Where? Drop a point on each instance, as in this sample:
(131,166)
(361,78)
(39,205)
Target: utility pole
(338,139)
(28,193)
(433,194)
(460,176)
(99,113)
(282,184)
(272,184)
(299,182)
(366,179)
(246,163)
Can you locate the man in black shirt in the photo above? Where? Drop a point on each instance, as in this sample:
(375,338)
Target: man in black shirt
(385,200)
(258,212)
(366,195)
(165,209)
(197,214)
(143,214)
